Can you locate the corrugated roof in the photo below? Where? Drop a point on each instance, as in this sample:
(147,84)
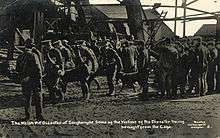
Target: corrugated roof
(113,11)
(207,30)
(151,14)
(164,30)
(93,12)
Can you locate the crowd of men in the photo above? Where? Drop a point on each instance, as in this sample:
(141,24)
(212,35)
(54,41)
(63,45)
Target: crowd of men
(188,62)
(182,67)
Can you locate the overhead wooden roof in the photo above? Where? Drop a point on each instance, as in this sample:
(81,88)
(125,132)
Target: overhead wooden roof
(206,30)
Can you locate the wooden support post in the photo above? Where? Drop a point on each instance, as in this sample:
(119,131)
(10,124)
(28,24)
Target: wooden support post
(135,21)
(38,27)
(218,29)
(175,22)
(11,36)
(184,19)
(81,18)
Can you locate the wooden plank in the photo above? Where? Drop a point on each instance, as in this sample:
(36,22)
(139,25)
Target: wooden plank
(166,19)
(11,36)
(218,29)
(191,2)
(38,26)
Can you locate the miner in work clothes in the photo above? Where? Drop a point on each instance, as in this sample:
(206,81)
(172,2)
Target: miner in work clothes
(29,70)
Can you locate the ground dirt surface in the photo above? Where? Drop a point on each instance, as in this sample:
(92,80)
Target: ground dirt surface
(123,115)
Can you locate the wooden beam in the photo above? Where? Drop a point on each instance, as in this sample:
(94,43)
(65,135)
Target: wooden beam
(191,2)
(184,19)
(144,6)
(135,20)
(181,19)
(193,9)
(167,19)
(20,34)
(218,30)
(175,21)
(38,26)
(191,15)
(11,36)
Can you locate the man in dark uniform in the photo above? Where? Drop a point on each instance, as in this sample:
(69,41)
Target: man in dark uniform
(29,69)
(143,65)
(54,69)
(110,65)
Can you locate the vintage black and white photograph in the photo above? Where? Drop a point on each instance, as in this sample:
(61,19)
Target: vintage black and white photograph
(110,68)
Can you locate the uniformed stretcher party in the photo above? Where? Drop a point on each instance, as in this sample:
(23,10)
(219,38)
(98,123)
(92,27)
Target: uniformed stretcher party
(182,67)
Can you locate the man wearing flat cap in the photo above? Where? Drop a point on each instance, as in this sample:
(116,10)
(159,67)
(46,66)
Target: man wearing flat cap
(167,68)
(200,68)
(129,57)
(110,64)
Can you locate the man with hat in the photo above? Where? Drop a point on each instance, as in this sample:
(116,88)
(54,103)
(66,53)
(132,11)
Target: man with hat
(110,64)
(142,66)
(199,68)
(129,57)
(192,62)
(167,68)
(182,68)
(29,69)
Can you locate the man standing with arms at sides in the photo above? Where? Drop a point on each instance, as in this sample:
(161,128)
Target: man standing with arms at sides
(200,68)
(167,67)
(110,65)
(212,67)
(29,69)
(143,66)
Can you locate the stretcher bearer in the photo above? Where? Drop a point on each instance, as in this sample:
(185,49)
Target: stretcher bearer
(54,70)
